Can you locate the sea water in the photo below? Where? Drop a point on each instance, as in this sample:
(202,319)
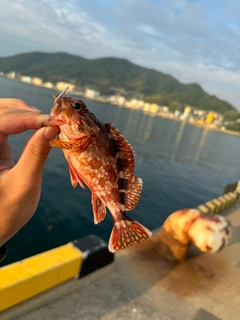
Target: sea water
(181,165)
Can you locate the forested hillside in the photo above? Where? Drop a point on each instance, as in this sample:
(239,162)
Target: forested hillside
(107,74)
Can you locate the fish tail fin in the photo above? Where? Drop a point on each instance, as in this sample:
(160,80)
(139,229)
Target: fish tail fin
(126,233)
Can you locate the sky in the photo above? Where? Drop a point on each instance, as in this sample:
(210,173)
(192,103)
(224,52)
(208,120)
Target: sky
(192,40)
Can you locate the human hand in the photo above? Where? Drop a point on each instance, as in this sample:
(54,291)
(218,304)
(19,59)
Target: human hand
(20,184)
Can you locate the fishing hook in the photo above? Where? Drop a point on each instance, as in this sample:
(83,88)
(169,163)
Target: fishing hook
(62,93)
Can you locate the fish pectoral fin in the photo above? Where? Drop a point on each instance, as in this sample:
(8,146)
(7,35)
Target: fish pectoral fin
(58,144)
(62,144)
(99,210)
(74,175)
(133,189)
(126,233)
(75,144)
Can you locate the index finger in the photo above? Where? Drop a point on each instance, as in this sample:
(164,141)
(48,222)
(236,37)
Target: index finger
(13,103)
(17,121)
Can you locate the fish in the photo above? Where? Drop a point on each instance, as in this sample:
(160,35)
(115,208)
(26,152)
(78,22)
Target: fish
(101,158)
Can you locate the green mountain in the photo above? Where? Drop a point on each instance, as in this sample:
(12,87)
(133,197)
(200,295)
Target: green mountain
(110,74)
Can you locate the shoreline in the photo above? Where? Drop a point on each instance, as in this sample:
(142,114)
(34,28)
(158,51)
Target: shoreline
(162,115)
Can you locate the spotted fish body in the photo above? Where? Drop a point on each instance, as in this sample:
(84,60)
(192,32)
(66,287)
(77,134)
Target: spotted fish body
(100,157)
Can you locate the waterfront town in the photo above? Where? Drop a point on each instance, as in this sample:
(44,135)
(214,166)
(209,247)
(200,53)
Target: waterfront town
(204,118)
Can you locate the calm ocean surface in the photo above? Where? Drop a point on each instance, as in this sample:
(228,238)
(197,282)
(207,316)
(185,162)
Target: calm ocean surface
(181,166)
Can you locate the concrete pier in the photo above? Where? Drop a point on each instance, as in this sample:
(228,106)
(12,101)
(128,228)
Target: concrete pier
(141,285)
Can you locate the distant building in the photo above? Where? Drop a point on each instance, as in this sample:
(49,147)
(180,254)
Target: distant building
(200,122)
(62,85)
(121,100)
(187,113)
(128,104)
(113,99)
(140,104)
(210,117)
(48,85)
(37,81)
(11,75)
(91,94)
(199,113)
(177,114)
(165,109)
(134,103)
(146,107)
(26,79)
(154,108)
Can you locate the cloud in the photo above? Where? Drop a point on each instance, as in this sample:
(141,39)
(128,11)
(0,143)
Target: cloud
(225,84)
(195,41)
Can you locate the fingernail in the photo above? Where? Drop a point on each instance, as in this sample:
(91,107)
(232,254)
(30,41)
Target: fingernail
(51,132)
(44,119)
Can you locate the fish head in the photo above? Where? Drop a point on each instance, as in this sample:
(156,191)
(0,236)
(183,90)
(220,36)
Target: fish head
(73,118)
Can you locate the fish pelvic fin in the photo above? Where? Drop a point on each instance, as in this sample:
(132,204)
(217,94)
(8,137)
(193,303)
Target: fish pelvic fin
(99,210)
(74,175)
(126,233)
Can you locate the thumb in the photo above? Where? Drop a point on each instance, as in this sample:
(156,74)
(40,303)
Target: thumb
(35,153)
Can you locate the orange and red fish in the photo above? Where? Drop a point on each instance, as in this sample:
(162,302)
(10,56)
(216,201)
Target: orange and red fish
(100,157)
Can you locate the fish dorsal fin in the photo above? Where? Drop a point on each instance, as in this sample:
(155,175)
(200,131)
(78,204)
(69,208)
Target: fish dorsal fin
(124,151)
(131,186)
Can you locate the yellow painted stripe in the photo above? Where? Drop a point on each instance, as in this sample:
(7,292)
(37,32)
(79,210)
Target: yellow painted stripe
(203,208)
(29,277)
(232,196)
(211,206)
(218,204)
(224,202)
(228,198)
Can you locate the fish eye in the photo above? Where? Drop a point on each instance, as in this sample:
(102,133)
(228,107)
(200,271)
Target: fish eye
(77,106)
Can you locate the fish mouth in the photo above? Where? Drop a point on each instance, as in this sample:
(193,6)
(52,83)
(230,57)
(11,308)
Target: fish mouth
(53,121)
